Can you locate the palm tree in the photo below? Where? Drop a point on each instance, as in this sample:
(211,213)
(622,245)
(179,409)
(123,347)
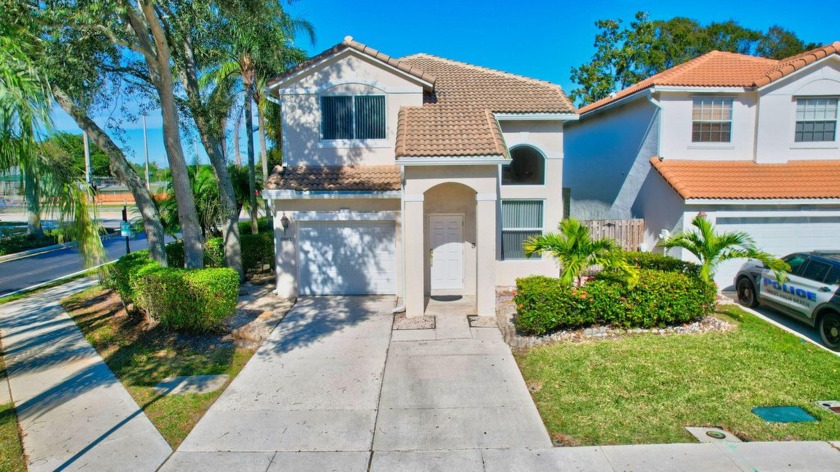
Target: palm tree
(713,248)
(257,50)
(25,104)
(576,251)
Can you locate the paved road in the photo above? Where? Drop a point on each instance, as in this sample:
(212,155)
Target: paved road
(29,271)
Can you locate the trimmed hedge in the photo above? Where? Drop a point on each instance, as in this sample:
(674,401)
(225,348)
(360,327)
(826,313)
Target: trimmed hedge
(180,299)
(188,300)
(257,250)
(661,298)
(124,272)
(649,260)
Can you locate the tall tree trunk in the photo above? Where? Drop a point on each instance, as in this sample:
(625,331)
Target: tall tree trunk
(252,183)
(32,195)
(158,61)
(263,154)
(213,141)
(237,153)
(124,172)
(263,149)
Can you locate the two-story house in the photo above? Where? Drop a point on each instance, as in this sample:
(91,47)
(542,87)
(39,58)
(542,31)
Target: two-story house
(751,142)
(415,176)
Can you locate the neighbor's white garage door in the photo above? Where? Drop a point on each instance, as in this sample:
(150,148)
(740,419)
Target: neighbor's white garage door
(347,258)
(779,236)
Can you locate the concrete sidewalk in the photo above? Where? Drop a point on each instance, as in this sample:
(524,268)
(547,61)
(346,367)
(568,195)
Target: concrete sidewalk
(73,411)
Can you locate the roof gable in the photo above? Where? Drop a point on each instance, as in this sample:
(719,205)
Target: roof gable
(354,47)
(723,69)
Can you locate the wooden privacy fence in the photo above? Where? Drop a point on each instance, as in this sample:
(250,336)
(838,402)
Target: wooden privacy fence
(628,233)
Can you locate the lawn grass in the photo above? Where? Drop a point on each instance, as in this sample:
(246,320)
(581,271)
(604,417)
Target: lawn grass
(141,358)
(647,388)
(12,458)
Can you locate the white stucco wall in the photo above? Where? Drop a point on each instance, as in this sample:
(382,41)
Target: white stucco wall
(676,128)
(777,114)
(547,138)
(344,74)
(607,159)
(662,209)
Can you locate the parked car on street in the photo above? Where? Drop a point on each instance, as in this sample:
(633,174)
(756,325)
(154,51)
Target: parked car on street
(811,292)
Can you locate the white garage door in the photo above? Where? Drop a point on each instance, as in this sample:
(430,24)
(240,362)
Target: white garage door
(780,236)
(347,258)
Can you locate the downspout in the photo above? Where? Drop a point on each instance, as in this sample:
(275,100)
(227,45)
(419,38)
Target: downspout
(658,106)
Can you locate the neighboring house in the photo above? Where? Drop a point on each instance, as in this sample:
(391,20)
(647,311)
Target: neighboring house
(751,142)
(413,176)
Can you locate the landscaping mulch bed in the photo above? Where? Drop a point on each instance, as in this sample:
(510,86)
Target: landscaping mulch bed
(506,311)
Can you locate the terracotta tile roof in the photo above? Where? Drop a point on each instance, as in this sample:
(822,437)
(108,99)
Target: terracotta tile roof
(723,69)
(349,43)
(748,180)
(456,119)
(302,178)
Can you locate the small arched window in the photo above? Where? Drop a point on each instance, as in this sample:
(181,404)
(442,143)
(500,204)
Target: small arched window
(527,167)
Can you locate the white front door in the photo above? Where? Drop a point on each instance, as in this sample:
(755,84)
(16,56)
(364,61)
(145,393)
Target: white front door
(446,233)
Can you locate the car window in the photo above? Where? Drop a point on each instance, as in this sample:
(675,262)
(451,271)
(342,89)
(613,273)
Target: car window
(816,270)
(833,276)
(796,263)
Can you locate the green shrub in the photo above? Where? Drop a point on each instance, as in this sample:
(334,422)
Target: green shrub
(175,254)
(124,272)
(660,298)
(214,252)
(187,300)
(264,225)
(649,260)
(257,249)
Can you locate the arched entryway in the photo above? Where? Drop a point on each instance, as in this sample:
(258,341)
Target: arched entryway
(449,239)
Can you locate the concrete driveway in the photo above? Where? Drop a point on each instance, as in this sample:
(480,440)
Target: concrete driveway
(332,390)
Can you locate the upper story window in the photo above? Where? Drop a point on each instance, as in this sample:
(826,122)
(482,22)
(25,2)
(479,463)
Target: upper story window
(353,117)
(527,167)
(711,120)
(816,120)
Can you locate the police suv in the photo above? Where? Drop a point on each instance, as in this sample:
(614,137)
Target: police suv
(811,292)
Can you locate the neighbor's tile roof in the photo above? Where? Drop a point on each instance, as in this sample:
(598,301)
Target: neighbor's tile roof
(349,43)
(456,119)
(314,178)
(748,180)
(723,69)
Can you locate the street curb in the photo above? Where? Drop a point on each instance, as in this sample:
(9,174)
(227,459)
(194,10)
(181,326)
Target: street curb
(43,250)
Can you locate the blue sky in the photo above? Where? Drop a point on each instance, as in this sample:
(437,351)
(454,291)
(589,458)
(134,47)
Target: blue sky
(542,39)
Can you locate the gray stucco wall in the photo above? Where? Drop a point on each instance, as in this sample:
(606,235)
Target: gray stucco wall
(607,160)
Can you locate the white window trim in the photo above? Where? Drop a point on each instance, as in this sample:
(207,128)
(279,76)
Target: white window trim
(502,228)
(815,144)
(510,161)
(731,121)
(348,143)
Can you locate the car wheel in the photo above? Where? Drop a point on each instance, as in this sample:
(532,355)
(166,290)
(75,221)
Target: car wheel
(746,292)
(830,330)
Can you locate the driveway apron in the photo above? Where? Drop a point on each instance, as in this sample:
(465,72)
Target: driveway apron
(73,411)
(312,386)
